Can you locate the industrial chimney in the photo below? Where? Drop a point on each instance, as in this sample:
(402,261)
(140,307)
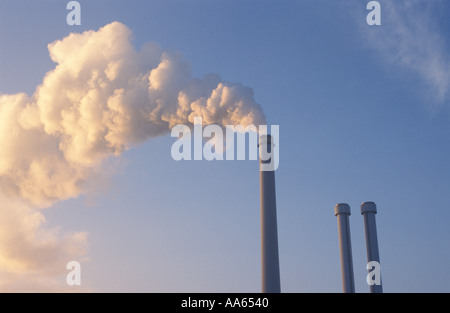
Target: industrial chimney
(342,211)
(368,210)
(269,233)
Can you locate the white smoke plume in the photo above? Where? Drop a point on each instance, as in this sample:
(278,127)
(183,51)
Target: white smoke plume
(102,98)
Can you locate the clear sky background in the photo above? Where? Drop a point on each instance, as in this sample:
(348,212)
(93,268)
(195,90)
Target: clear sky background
(363,114)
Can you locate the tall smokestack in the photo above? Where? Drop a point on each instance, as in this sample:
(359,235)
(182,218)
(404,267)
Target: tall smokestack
(368,210)
(269,232)
(342,211)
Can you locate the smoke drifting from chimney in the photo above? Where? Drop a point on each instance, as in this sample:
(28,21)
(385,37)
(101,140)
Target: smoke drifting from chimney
(102,98)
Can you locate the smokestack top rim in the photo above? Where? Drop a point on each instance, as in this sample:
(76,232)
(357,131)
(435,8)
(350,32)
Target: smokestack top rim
(342,208)
(265,139)
(368,206)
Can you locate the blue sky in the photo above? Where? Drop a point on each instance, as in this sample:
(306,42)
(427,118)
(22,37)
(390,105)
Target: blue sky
(363,115)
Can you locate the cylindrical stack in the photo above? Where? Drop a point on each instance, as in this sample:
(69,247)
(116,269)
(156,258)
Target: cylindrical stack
(368,210)
(269,232)
(342,211)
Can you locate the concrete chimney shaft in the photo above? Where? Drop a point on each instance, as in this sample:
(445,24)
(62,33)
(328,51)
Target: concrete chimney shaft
(269,233)
(342,211)
(368,210)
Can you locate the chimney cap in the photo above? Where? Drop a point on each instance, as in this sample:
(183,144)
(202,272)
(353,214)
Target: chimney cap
(368,207)
(265,139)
(341,208)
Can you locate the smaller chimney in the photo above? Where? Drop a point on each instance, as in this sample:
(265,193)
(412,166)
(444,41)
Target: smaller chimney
(368,210)
(342,211)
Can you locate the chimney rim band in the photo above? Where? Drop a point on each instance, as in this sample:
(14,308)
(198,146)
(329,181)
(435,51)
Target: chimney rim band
(342,208)
(367,207)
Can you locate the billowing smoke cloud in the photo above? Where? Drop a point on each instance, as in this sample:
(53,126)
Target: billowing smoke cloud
(102,98)
(33,258)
